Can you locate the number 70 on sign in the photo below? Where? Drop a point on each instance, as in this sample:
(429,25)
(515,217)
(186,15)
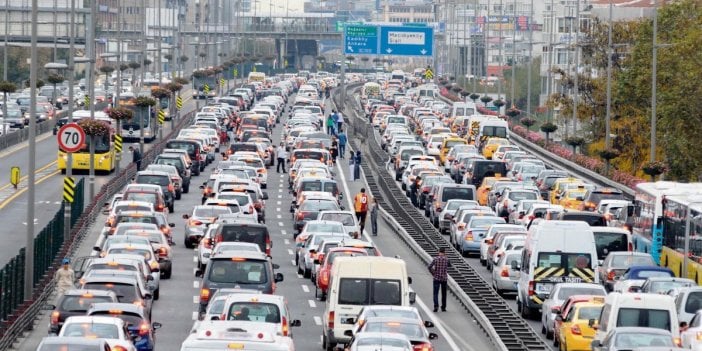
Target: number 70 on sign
(71,137)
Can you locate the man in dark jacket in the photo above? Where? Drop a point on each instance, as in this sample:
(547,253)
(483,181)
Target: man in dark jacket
(136,156)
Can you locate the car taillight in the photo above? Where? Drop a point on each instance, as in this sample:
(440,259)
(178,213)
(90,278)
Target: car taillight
(330,322)
(144,329)
(631,247)
(505,272)
(422,347)
(425,189)
(55,315)
(204,295)
(325,278)
(171,187)
(163,252)
(268,246)
(160,207)
(461,226)
(118,348)
(610,275)
(166,230)
(531,287)
(195,222)
(300,216)
(575,330)
(153,265)
(469,236)
(286,327)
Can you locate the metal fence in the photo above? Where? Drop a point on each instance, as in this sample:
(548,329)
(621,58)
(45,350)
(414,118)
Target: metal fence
(21,135)
(17,312)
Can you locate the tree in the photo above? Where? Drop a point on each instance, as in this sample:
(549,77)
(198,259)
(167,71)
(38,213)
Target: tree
(527,122)
(548,128)
(521,71)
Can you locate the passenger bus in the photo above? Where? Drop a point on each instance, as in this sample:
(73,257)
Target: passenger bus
(257,77)
(151,83)
(676,210)
(104,158)
(131,129)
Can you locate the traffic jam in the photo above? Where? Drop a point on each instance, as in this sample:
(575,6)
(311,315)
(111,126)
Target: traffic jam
(576,257)
(560,246)
(224,161)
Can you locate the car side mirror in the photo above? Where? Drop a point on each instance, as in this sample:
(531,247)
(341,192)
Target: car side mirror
(265,196)
(49,307)
(592,323)
(433,336)
(201,187)
(412,297)
(409,279)
(214,318)
(559,318)
(172,225)
(186,216)
(296,323)
(348,333)
(279,277)
(156,325)
(428,324)
(595,344)
(198,273)
(342,207)
(97,248)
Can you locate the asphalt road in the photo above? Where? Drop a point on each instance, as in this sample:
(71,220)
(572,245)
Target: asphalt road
(176,309)
(48,187)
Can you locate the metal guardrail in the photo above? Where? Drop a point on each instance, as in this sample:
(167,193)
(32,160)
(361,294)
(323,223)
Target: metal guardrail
(22,311)
(22,135)
(506,330)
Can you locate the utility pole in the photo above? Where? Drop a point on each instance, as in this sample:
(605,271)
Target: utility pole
(609,86)
(550,61)
(71,80)
(576,88)
(654,69)
(499,82)
(141,83)
(486,48)
(92,55)
(34,67)
(514,53)
(531,53)
(118,86)
(5,49)
(159,69)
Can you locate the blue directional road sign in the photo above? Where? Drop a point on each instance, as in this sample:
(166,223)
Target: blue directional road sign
(360,39)
(406,41)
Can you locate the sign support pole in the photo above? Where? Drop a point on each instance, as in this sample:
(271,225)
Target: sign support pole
(69,156)
(343,72)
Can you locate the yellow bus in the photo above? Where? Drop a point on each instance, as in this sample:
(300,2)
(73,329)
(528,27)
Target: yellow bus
(105,156)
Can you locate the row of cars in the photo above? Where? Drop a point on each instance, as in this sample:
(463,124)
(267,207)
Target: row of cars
(117,286)
(560,243)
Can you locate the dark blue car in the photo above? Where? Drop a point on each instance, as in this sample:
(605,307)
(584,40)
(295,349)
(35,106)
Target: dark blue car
(635,276)
(140,328)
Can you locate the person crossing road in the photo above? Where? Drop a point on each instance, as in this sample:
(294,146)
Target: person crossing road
(360,205)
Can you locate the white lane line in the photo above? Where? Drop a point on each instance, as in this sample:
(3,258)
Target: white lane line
(196,299)
(312,304)
(290,252)
(195,314)
(427,311)
(286,241)
(279,203)
(317,320)
(195,259)
(280,223)
(280,196)
(277,209)
(279,216)
(196,284)
(280,190)
(293,262)
(283,232)
(305,288)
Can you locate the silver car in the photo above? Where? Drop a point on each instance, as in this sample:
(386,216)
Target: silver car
(505,274)
(196,223)
(308,251)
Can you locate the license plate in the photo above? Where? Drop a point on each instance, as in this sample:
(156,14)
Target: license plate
(543,288)
(237,335)
(516,284)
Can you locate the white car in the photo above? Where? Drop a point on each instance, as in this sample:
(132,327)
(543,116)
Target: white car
(370,341)
(494,229)
(113,330)
(346,218)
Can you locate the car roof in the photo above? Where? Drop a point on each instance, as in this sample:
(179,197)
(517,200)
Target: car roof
(230,255)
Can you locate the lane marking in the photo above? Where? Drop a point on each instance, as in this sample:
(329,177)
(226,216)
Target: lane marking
(278,210)
(281,224)
(283,232)
(279,216)
(196,299)
(196,284)
(317,321)
(194,259)
(305,288)
(195,315)
(287,241)
(290,252)
(280,203)
(312,304)
(23,190)
(293,263)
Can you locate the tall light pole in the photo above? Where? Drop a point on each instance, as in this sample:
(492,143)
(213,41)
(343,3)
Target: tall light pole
(34,62)
(5,48)
(654,69)
(514,54)
(92,51)
(531,54)
(499,82)
(550,61)
(486,48)
(71,81)
(576,88)
(609,86)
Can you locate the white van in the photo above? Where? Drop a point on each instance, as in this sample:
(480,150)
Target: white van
(493,127)
(555,252)
(474,127)
(463,109)
(637,310)
(358,282)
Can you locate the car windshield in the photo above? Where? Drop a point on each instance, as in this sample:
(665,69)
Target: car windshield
(91,330)
(225,247)
(254,312)
(411,330)
(486,222)
(130,318)
(137,219)
(565,293)
(81,303)
(242,199)
(130,251)
(237,271)
(662,287)
(152,179)
(454,205)
(382,341)
(522,195)
(642,339)
(145,197)
(325,228)
(457,193)
(120,208)
(319,205)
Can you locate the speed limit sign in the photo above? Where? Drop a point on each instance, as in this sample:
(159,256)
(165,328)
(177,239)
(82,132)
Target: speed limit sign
(71,137)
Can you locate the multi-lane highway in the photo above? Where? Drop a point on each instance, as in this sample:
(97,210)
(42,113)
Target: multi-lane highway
(176,309)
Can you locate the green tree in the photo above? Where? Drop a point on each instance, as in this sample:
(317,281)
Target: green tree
(521,72)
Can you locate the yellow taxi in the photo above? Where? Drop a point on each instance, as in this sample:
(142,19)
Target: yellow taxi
(558,187)
(491,145)
(572,198)
(447,144)
(574,332)
(485,187)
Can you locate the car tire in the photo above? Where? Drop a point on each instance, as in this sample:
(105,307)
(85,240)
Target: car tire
(483,262)
(326,345)
(167,274)
(171,208)
(187,244)
(178,195)
(306,273)
(186,189)
(157,294)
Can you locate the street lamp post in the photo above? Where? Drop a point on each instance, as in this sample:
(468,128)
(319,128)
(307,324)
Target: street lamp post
(609,86)
(576,88)
(34,60)
(71,79)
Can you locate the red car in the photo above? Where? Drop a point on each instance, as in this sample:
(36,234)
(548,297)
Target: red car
(325,268)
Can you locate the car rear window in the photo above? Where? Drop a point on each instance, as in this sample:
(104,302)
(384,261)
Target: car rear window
(80,303)
(247,234)
(457,193)
(592,220)
(136,196)
(235,271)
(363,292)
(152,179)
(254,312)
(125,292)
(610,242)
(643,317)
